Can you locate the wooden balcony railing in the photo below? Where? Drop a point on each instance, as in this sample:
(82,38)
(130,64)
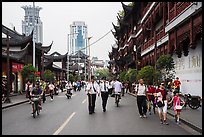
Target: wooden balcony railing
(160,34)
(180,6)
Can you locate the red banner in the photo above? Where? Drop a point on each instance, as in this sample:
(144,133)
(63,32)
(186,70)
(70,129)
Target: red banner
(16,67)
(37,73)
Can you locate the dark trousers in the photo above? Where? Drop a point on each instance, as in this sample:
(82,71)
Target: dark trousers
(104,96)
(44,98)
(28,92)
(153,102)
(142,105)
(92,100)
(51,94)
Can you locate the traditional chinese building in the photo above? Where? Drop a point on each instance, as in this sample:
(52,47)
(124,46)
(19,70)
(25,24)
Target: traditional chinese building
(20,54)
(58,64)
(150,29)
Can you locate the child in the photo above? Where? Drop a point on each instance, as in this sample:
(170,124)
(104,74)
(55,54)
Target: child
(177,101)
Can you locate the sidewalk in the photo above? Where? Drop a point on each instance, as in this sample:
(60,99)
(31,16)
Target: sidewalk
(16,100)
(190,117)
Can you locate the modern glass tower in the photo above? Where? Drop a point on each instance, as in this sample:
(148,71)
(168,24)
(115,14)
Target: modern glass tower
(27,23)
(78,37)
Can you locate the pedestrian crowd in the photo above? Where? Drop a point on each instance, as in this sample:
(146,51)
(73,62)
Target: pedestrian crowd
(148,97)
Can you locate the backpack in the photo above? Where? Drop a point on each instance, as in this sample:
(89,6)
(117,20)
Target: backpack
(160,103)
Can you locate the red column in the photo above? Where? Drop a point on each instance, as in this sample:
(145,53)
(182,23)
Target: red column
(191,31)
(168,9)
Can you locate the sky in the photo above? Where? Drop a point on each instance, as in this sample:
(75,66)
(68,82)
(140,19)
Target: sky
(58,16)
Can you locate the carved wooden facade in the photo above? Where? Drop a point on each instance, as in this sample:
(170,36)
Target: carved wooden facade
(155,28)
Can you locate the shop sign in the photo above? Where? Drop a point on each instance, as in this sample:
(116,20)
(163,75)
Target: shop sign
(16,67)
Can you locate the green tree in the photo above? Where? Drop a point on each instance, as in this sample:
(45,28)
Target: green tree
(148,74)
(131,75)
(28,72)
(122,76)
(102,73)
(49,75)
(165,64)
(72,78)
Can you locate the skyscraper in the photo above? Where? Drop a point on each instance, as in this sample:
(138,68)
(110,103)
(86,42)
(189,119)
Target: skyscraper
(27,23)
(78,37)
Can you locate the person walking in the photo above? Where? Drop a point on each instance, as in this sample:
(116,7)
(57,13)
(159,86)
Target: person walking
(177,85)
(151,98)
(177,110)
(117,89)
(43,87)
(51,90)
(91,90)
(162,96)
(141,93)
(104,92)
(28,89)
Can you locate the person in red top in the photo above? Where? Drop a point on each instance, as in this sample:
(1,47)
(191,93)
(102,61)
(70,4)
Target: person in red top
(177,84)
(177,101)
(150,93)
(162,93)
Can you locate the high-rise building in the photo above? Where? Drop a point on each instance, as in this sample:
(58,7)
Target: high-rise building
(27,23)
(78,37)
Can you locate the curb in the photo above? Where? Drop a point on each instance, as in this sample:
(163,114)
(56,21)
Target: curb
(18,103)
(198,129)
(11,105)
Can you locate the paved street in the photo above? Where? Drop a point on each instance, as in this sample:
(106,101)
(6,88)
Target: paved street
(70,117)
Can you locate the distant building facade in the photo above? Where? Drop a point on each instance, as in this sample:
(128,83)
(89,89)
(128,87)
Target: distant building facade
(27,23)
(78,37)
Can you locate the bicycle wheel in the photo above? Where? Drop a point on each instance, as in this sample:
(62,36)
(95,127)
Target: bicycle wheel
(34,110)
(117,100)
(38,110)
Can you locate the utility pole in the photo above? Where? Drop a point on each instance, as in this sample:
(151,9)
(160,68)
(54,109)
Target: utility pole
(89,58)
(33,34)
(7,100)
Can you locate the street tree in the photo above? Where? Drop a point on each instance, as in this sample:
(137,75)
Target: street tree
(49,75)
(28,72)
(104,72)
(165,64)
(148,74)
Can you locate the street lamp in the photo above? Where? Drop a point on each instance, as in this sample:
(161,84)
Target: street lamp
(89,58)
(33,34)
(68,56)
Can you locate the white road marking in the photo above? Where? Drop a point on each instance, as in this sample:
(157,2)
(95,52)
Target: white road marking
(64,124)
(83,101)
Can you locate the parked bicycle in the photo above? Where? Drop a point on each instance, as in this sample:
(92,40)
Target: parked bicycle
(192,101)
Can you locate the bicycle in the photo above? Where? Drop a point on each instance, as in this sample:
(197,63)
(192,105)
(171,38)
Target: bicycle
(192,101)
(35,102)
(117,99)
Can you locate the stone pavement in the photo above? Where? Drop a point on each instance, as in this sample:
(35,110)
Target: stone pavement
(190,117)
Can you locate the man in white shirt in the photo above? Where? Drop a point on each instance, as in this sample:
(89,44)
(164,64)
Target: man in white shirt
(141,92)
(91,90)
(117,88)
(104,92)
